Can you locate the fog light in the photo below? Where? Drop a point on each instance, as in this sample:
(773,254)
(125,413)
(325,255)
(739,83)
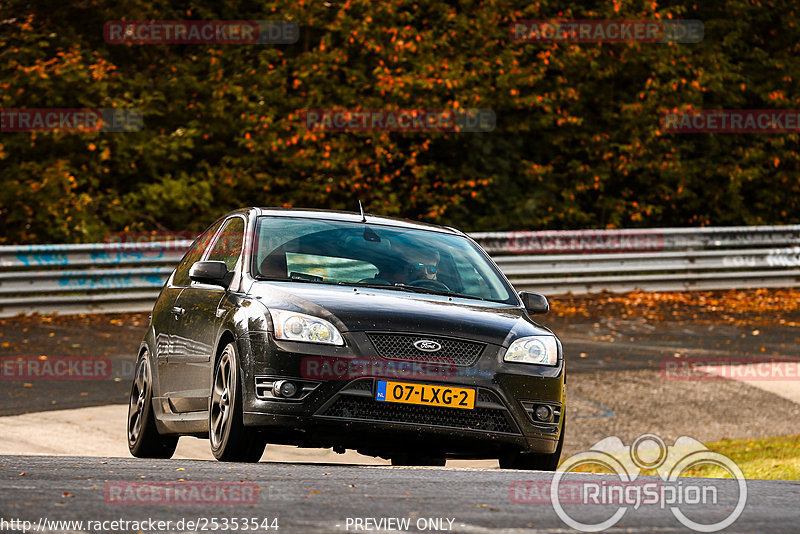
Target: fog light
(544,413)
(284,388)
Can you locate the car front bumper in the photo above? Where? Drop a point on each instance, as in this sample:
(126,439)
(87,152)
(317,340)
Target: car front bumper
(340,411)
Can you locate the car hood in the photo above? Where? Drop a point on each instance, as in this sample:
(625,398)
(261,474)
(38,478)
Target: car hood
(367,309)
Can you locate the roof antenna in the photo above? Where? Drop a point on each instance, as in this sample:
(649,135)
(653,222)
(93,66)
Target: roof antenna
(361,209)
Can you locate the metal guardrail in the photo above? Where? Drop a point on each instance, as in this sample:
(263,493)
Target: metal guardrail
(657,259)
(638,240)
(117,277)
(90,278)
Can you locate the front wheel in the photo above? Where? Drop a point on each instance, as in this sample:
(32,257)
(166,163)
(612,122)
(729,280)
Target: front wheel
(231,441)
(144,441)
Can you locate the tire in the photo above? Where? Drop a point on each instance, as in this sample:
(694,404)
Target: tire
(533,461)
(419,460)
(144,441)
(230,440)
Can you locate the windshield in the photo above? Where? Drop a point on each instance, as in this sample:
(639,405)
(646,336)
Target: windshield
(351,253)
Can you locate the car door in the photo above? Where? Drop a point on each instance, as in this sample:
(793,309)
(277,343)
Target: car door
(164,316)
(197,322)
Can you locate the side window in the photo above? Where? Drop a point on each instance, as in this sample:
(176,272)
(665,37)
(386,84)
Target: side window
(194,254)
(228,246)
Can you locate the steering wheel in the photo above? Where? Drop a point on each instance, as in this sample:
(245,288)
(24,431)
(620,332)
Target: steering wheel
(430,284)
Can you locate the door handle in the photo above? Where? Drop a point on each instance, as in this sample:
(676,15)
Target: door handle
(178,311)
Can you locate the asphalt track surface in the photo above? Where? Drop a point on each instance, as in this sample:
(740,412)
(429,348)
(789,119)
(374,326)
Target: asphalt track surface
(321,498)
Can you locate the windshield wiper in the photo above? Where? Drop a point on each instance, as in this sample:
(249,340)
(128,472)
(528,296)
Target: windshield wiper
(372,285)
(420,289)
(287,279)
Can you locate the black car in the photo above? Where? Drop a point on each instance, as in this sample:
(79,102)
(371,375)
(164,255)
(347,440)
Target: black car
(328,329)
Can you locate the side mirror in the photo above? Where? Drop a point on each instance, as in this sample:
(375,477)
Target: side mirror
(535,303)
(210,272)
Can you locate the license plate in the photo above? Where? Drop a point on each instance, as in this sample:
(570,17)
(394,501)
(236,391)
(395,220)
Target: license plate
(425,394)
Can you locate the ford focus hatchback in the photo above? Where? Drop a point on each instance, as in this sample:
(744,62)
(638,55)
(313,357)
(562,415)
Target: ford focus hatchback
(347,331)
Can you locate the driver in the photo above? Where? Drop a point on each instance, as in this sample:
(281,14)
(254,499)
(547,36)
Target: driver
(427,266)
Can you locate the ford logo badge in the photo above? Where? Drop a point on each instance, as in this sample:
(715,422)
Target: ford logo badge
(426,345)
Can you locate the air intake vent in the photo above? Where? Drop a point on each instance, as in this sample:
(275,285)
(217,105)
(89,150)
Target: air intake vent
(359,408)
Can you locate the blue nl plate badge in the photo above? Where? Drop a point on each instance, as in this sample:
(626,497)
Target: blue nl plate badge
(381,393)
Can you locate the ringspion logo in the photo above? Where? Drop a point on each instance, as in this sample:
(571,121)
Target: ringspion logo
(624,489)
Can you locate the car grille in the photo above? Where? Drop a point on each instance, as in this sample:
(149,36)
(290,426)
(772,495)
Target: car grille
(358,405)
(401,347)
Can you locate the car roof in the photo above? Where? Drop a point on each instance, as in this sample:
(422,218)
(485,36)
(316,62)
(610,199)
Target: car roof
(349,216)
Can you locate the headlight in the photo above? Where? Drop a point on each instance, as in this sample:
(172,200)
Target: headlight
(541,350)
(295,326)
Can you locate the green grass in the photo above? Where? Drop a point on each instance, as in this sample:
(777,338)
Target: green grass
(775,458)
(768,458)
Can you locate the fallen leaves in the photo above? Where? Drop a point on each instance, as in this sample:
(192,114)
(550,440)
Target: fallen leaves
(741,307)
